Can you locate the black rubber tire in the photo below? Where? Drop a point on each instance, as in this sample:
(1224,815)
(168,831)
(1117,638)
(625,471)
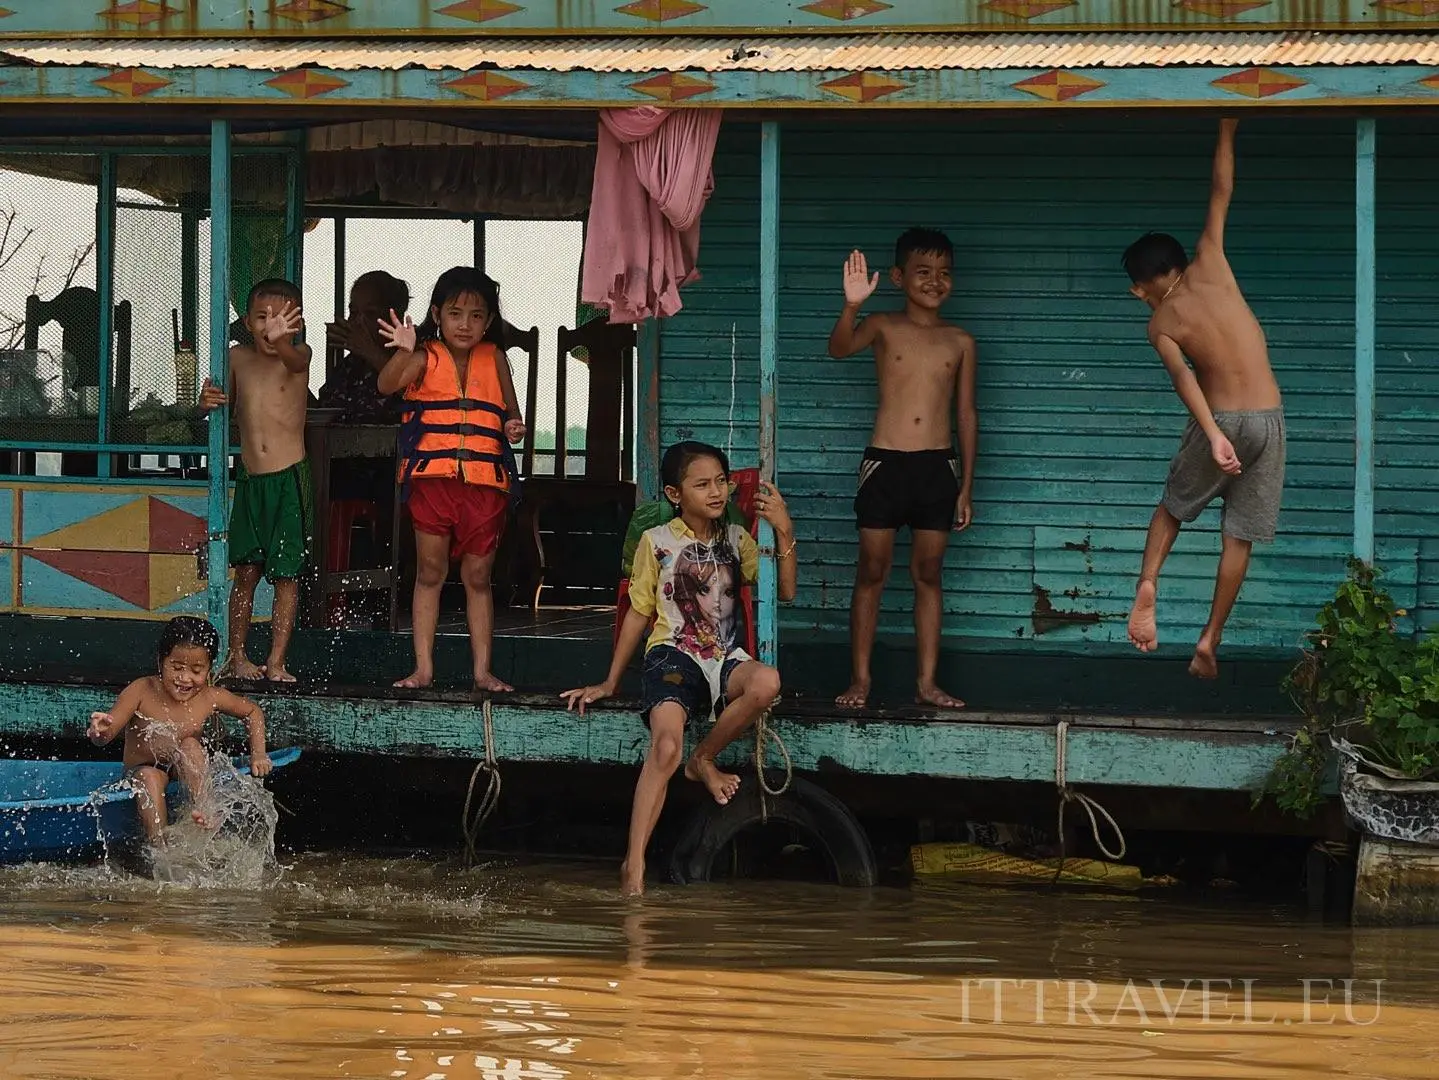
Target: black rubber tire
(805,806)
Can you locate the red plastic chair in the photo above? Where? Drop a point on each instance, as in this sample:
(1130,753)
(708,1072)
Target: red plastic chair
(345,514)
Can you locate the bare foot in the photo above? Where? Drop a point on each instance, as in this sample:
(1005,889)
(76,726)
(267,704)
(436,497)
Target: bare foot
(240,668)
(488,682)
(1205,664)
(416,681)
(201,819)
(1143,629)
(933,695)
(856,696)
(722,785)
(632,879)
(277,673)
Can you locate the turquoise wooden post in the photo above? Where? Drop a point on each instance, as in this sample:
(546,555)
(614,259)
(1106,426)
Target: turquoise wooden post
(647,412)
(219,455)
(105,293)
(767,632)
(295,213)
(1365,316)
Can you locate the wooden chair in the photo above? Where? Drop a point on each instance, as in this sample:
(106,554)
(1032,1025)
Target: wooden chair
(77,310)
(609,348)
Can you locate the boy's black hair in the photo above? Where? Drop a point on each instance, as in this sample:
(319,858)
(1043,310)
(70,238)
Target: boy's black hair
(921,242)
(681,455)
(187,630)
(454,283)
(1152,256)
(277,287)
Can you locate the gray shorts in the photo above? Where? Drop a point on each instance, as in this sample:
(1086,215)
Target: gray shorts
(1251,499)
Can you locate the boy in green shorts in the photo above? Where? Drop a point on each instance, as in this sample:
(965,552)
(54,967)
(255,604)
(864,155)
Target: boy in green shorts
(271,523)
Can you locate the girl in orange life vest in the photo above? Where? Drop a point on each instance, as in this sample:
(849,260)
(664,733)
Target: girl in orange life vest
(457,471)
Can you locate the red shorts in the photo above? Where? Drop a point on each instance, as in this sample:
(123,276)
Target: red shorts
(473,514)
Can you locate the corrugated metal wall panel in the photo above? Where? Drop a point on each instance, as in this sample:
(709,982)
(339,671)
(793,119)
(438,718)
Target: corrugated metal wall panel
(1078,418)
(1407,380)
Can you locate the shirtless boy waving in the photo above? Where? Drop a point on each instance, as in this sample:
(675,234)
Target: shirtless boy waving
(908,476)
(271,523)
(1233,447)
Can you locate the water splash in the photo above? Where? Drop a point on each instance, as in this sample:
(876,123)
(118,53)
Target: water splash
(237,850)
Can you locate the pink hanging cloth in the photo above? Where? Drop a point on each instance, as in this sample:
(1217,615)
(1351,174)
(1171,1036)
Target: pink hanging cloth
(653,177)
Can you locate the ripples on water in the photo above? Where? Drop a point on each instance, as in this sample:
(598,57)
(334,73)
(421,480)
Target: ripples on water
(365,967)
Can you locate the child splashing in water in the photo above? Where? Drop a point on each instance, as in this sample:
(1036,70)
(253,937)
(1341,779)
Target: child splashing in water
(457,471)
(163,717)
(685,578)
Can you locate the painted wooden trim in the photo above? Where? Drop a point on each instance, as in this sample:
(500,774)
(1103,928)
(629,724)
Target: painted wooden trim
(218,547)
(983,747)
(438,18)
(1365,324)
(1341,86)
(767,632)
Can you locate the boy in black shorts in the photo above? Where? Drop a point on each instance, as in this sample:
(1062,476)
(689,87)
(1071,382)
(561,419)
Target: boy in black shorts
(908,476)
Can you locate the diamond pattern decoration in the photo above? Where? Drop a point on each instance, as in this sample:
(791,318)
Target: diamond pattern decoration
(1409,7)
(1259,82)
(310,11)
(659,11)
(1026,9)
(141,552)
(487,85)
(1222,9)
(1431,81)
(480,11)
(305,83)
(1058,85)
(673,86)
(864,86)
(132,82)
(845,10)
(139,13)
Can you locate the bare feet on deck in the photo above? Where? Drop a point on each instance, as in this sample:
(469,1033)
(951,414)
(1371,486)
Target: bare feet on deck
(239,667)
(856,696)
(418,680)
(721,785)
(1205,664)
(490,683)
(933,695)
(277,673)
(632,879)
(1143,629)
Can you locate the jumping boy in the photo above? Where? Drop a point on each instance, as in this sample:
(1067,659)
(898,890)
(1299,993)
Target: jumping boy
(271,521)
(908,475)
(1233,447)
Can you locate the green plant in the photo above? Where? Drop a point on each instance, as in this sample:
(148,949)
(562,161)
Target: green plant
(1359,677)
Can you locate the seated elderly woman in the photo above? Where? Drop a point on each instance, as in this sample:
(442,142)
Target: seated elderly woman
(351,385)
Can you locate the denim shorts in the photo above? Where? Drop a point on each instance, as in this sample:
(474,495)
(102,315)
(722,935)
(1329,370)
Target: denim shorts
(671,675)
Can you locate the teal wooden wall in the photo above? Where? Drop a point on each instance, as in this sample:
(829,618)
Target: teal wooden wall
(1078,418)
(1407,362)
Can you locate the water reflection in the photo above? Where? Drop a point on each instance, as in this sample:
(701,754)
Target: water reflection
(405,968)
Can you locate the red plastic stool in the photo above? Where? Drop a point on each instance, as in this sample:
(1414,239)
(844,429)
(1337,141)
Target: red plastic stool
(345,514)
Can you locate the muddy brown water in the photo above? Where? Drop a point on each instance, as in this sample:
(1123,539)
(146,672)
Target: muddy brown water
(350,966)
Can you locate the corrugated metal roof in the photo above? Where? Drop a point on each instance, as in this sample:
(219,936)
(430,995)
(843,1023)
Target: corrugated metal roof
(871,52)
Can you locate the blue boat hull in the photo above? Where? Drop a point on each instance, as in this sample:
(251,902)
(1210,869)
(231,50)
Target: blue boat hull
(76,811)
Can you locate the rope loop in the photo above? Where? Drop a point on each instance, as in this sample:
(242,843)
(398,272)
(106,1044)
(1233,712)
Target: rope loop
(474,815)
(1069,795)
(764,732)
